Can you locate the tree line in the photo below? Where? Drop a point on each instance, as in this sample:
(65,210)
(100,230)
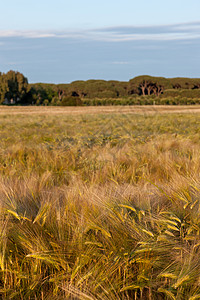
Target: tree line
(15,89)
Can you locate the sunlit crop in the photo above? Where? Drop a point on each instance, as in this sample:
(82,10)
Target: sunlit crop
(103,206)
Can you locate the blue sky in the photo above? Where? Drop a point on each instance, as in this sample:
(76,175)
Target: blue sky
(63,41)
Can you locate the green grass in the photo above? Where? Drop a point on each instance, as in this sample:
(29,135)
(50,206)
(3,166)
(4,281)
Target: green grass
(100,206)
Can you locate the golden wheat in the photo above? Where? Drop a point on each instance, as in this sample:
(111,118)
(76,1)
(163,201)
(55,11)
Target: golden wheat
(99,206)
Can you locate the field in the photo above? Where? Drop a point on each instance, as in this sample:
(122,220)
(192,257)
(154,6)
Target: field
(136,109)
(100,203)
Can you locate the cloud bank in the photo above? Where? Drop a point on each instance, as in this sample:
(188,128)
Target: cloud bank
(184,31)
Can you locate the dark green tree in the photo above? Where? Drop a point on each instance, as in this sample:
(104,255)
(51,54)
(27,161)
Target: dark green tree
(3,87)
(13,87)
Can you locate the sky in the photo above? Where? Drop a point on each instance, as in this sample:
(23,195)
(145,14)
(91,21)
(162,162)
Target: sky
(62,41)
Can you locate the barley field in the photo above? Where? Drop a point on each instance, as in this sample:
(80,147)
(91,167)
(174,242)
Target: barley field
(100,203)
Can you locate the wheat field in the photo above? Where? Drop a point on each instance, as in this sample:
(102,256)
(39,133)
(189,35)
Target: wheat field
(99,205)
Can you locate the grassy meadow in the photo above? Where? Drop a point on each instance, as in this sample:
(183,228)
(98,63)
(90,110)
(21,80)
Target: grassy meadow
(102,205)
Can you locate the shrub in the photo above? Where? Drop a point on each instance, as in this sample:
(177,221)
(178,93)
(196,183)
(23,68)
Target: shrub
(71,101)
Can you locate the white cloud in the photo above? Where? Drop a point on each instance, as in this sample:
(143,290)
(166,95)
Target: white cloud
(187,27)
(112,37)
(25,34)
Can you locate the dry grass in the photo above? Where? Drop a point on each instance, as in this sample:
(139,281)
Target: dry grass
(99,206)
(135,109)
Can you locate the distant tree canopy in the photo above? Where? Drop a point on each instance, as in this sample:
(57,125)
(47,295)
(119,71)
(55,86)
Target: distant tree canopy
(14,88)
(148,85)
(185,83)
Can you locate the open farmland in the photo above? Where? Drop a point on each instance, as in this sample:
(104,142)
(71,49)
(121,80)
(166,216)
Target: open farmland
(135,109)
(100,203)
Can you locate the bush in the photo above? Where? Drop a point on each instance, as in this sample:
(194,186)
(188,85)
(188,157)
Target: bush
(71,101)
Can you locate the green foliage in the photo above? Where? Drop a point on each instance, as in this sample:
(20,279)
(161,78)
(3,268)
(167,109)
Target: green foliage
(141,90)
(185,83)
(40,92)
(71,101)
(147,85)
(182,93)
(13,87)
